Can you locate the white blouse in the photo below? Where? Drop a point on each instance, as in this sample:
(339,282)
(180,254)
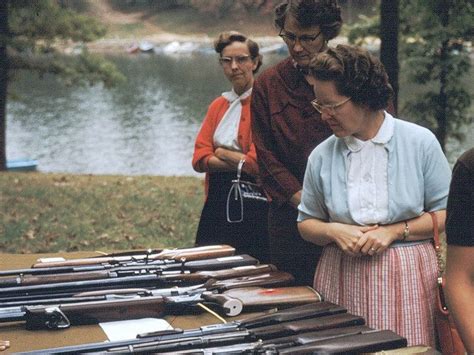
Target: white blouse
(227,130)
(367,180)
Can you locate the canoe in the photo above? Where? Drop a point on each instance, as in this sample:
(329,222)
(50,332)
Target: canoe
(22,165)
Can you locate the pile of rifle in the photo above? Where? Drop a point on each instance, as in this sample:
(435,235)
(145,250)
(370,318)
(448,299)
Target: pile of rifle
(57,294)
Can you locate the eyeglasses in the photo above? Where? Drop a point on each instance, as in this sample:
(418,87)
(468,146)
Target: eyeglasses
(240,59)
(291,38)
(329,109)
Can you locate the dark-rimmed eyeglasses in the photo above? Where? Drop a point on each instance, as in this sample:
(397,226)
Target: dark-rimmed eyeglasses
(291,38)
(329,109)
(240,59)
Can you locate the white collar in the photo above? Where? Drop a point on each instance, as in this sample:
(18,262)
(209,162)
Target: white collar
(383,135)
(231,96)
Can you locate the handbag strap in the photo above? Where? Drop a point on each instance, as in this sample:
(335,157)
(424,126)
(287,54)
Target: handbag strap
(437,244)
(442,300)
(239,168)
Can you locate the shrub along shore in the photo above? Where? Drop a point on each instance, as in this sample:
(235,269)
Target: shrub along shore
(60,212)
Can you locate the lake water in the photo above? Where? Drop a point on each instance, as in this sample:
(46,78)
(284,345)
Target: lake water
(144,127)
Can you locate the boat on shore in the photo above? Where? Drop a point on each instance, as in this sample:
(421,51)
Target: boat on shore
(22,165)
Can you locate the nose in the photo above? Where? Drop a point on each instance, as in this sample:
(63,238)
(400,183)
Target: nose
(325,116)
(297,46)
(233,64)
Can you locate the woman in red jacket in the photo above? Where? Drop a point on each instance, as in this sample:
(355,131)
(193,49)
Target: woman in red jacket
(224,141)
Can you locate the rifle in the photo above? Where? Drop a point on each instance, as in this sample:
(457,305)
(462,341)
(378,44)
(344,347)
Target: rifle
(125,276)
(196,253)
(165,257)
(181,277)
(153,304)
(311,310)
(272,278)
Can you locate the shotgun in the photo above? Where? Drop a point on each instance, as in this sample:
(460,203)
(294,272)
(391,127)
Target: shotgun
(134,275)
(107,262)
(311,310)
(152,304)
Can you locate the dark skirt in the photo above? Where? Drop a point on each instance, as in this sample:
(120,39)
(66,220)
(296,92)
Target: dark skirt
(249,236)
(289,251)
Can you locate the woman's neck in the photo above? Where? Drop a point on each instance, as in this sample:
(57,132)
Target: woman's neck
(241,89)
(374,122)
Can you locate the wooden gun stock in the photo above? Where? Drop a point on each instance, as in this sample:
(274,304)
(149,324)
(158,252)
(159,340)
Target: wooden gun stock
(28,280)
(269,279)
(262,298)
(197,253)
(308,325)
(353,344)
(200,276)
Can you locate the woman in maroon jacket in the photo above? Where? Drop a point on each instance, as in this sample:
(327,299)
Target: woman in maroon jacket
(286,128)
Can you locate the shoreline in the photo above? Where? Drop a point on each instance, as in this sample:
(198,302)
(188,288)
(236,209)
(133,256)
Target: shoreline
(160,40)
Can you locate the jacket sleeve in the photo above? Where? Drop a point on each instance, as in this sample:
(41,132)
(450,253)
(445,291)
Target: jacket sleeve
(204,145)
(277,180)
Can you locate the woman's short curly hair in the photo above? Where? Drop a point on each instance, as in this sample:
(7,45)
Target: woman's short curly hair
(226,38)
(356,74)
(323,13)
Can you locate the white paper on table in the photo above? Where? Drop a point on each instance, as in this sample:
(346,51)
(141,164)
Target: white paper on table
(129,329)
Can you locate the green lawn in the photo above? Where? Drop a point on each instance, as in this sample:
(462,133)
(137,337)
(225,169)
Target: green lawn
(57,212)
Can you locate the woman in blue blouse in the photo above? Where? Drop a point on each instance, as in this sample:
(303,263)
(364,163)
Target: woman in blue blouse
(365,194)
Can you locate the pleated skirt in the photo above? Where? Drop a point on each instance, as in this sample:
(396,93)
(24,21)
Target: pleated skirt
(395,290)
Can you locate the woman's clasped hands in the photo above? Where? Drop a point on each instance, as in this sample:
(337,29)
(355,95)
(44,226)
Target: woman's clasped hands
(362,240)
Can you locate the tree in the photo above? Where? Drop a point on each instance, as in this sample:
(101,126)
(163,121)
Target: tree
(433,54)
(31,33)
(436,58)
(389,19)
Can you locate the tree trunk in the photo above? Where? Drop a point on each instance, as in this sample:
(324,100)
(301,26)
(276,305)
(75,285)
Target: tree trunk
(389,19)
(4,35)
(442,108)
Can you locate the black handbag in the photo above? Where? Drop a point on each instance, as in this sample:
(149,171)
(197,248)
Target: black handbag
(242,191)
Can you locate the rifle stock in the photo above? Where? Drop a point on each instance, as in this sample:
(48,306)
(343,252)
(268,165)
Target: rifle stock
(189,254)
(308,325)
(310,310)
(352,344)
(256,297)
(200,276)
(28,280)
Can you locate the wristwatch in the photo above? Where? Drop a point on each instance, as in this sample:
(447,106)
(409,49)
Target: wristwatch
(406,232)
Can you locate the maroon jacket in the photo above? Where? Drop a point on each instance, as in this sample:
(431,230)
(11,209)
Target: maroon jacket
(285,127)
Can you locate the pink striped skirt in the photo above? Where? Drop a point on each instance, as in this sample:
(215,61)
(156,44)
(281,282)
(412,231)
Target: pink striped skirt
(395,290)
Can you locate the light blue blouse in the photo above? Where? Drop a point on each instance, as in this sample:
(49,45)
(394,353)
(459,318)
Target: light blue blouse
(418,176)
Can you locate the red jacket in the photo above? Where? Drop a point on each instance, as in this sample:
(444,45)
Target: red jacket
(204,147)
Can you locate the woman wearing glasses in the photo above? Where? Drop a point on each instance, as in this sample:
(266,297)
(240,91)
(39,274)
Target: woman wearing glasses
(286,128)
(365,196)
(224,141)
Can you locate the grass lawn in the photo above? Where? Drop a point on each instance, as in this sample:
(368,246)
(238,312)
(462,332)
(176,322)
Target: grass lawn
(57,212)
